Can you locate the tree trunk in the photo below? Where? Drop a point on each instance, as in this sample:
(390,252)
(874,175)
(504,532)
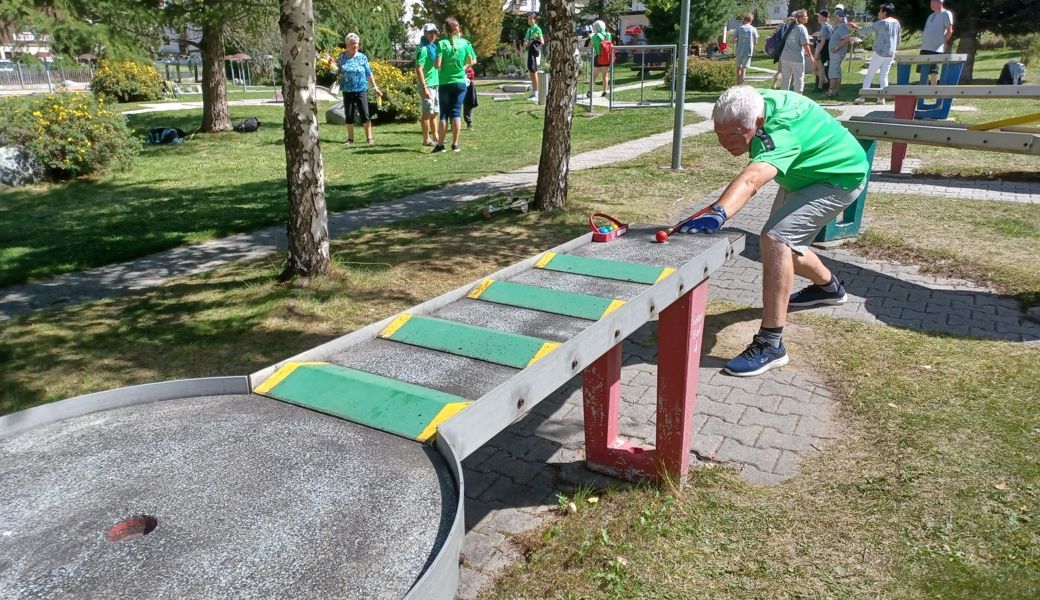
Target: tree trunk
(968,44)
(304,171)
(214,85)
(554,163)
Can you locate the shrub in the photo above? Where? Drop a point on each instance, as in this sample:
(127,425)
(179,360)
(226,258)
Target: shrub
(509,64)
(400,92)
(127,81)
(707,75)
(70,134)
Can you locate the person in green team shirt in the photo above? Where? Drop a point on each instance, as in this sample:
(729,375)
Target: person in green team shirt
(533,39)
(453,56)
(427,75)
(820,168)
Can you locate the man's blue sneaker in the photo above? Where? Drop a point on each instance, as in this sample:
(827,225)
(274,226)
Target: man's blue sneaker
(757,359)
(816,295)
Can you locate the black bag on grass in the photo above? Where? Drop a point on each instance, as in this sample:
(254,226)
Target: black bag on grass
(165,135)
(247,125)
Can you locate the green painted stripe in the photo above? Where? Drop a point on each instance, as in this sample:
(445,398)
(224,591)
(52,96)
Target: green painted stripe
(499,347)
(572,304)
(605,268)
(382,403)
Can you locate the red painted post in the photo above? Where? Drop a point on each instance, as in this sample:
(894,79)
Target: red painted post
(679,332)
(679,349)
(906,106)
(605,452)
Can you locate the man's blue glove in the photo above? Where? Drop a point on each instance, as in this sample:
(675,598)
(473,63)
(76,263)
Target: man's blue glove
(707,223)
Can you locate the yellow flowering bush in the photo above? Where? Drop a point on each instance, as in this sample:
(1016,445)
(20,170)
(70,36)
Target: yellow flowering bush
(400,92)
(70,134)
(127,81)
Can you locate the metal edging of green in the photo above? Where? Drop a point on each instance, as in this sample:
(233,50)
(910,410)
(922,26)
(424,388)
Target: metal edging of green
(382,403)
(559,302)
(499,347)
(604,267)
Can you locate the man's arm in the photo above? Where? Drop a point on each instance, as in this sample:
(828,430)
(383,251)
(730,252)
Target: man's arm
(948,32)
(421,76)
(745,186)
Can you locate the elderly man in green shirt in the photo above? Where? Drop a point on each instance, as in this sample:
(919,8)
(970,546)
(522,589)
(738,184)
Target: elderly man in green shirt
(426,74)
(820,168)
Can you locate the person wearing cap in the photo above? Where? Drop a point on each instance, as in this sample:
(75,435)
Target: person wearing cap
(427,74)
(821,169)
(938,29)
(795,52)
(838,46)
(533,39)
(886,30)
(822,53)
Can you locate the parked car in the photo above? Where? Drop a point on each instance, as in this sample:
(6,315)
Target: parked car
(6,66)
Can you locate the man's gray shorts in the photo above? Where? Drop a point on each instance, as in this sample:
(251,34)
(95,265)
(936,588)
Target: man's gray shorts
(834,68)
(743,61)
(798,216)
(431,105)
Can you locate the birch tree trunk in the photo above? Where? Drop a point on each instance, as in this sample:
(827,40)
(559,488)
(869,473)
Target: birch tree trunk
(304,171)
(214,85)
(554,163)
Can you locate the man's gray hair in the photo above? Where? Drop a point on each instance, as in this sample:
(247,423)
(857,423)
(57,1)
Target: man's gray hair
(739,104)
(599,26)
(353,37)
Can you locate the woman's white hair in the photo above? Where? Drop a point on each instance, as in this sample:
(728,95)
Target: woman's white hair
(353,37)
(739,104)
(599,26)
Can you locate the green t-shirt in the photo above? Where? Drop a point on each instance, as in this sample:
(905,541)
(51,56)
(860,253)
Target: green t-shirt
(533,32)
(429,67)
(453,59)
(597,41)
(810,146)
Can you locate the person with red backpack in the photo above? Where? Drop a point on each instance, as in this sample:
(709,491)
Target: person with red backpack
(602,55)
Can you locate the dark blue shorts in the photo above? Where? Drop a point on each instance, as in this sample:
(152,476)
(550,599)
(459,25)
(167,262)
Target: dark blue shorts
(452,96)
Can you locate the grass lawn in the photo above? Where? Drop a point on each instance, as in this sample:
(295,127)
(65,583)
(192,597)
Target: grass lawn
(216,185)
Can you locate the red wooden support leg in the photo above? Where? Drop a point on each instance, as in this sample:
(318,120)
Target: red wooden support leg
(679,334)
(604,450)
(906,106)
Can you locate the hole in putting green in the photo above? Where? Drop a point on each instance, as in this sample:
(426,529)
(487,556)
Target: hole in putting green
(132,528)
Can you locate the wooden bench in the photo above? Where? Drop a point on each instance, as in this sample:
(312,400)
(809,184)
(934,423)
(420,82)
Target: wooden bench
(950,67)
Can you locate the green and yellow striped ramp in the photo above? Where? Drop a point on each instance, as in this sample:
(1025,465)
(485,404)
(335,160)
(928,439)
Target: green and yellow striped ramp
(559,302)
(382,403)
(603,267)
(499,347)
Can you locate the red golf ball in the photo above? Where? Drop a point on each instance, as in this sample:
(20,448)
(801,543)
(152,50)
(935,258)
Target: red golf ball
(662,236)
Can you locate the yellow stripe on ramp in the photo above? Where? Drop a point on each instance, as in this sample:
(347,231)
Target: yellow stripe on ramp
(280,375)
(614,305)
(546,348)
(449,411)
(394,325)
(480,289)
(544,260)
(665,273)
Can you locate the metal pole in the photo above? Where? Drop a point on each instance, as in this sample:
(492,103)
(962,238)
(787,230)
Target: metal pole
(680,105)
